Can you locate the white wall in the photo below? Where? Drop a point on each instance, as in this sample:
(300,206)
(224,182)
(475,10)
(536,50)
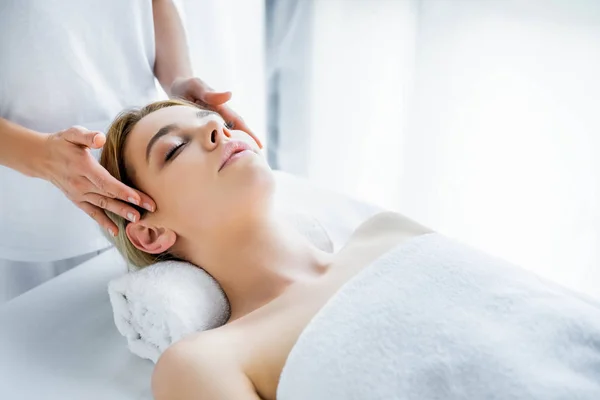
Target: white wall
(505,130)
(361,74)
(479,118)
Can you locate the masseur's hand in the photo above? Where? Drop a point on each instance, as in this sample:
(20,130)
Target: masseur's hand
(68,164)
(197,91)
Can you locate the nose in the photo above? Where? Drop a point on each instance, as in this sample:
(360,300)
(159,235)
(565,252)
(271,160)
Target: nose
(212,135)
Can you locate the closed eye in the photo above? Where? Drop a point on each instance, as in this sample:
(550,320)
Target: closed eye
(174,151)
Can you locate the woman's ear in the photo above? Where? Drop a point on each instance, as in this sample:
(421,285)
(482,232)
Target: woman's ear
(150,239)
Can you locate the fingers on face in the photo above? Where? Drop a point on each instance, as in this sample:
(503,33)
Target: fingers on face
(205,97)
(238,123)
(98,215)
(146,202)
(215,101)
(113,205)
(107,185)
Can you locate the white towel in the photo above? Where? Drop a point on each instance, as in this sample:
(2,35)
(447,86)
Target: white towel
(435,319)
(160,304)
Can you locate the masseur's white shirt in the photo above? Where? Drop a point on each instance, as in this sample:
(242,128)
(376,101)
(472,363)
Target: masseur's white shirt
(64,63)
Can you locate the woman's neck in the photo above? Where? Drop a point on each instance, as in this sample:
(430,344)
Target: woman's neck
(258,261)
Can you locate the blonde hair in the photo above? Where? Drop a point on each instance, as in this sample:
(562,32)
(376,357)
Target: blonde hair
(112,158)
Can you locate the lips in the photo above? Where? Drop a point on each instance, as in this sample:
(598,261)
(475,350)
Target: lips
(230,149)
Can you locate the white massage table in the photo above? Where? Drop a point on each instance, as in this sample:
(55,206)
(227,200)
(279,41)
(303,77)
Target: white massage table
(58,341)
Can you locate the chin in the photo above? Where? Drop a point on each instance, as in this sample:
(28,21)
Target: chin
(259,179)
(253,184)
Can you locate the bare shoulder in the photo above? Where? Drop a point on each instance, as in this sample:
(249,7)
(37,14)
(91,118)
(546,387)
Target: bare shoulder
(389,222)
(373,238)
(203,366)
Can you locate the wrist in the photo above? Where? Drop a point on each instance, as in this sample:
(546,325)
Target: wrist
(36,155)
(174,88)
(22,149)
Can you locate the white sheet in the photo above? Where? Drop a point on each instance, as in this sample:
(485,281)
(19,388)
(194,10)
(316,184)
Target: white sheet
(59,341)
(437,319)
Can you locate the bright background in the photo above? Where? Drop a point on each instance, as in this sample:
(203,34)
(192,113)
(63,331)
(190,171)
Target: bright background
(478,118)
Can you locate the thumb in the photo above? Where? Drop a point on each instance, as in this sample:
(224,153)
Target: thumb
(98,140)
(216,98)
(83,137)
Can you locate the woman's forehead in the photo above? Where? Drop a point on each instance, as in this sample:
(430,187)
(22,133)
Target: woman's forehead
(151,123)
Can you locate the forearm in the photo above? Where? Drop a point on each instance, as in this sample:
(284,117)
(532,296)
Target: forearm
(172,58)
(21,149)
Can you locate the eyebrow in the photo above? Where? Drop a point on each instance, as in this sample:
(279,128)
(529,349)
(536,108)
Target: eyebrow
(165,130)
(205,113)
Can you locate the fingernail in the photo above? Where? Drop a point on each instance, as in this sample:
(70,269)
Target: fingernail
(111,232)
(133,201)
(131,217)
(98,139)
(148,207)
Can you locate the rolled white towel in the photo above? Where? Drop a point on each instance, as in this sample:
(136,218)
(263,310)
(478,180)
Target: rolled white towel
(160,304)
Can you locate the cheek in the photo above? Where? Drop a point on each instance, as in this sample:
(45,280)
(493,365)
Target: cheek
(231,200)
(197,201)
(185,194)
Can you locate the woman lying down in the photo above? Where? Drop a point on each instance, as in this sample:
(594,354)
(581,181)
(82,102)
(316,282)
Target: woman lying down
(400,312)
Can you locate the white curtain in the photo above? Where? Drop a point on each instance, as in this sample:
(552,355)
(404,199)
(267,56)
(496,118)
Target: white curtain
(478,118)
(226,40)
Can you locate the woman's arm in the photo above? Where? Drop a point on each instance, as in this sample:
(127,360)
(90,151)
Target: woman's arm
(200,370)
(21,149)
(62,158)
(172,58)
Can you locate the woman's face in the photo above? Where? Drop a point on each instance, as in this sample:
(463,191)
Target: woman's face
(204,178)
